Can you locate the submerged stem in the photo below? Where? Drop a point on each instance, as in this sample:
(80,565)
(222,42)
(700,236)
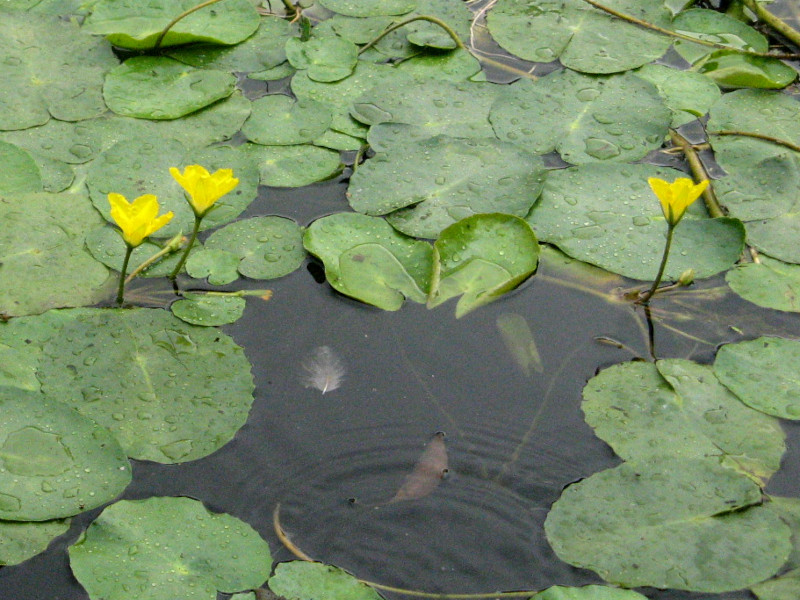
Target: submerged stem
(439,22)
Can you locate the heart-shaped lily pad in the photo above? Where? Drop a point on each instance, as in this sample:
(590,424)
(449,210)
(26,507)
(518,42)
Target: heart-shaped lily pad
(167,548)
(169,391)
(303,580)
(19,541)
(56,462)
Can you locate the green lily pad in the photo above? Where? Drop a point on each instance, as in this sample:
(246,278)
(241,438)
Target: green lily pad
(19,541)
(136,167)
(369,8)
(729,67)
(435,107)
(587,592)
(20,171)
(158,87)
(407,40)
(293,166)
(443,180)
(137,26)
(301,580)
(686,524)
(278,120)
(783,587)
(44,261)
(267,247)
(35,85)
(208,310)
(366,259)
(77,143)
(167,548)
(257,55)
(763,373)
(56,462)
(18,368)
(170,392)
(325,59)
(340,142)
(679,409)
(455,65)
(219,266)
(586,119)
(607,215)
(339,95)
(482,257)
(582,37)
(770,283)
(687,94)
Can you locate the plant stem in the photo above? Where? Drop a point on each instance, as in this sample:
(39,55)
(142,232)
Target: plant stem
(170,247)
(758,136)
(688,38)
(291,9)
(645,299)
(189,245)
(121,288)
(773,22)
(185,13)
(439,22)
(699,173)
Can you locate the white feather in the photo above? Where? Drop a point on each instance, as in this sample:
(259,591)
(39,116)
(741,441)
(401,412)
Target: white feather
(323,370)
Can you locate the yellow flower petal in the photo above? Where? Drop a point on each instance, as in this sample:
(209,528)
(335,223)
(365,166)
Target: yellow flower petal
(137,219)
(204,188)
(677,196)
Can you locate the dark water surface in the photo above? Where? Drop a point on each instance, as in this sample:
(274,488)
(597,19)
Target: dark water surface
(514,441)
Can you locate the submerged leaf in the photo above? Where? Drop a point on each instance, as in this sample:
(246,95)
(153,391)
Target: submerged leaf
(428,472)
(323,370)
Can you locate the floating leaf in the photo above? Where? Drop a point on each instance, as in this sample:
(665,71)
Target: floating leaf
(137,26)
(278,120)
(783,587)
(158,87)
(456,65)
(763,373)
(728,67)
(36,85)
(20,171)
(686,524)
(680,410)
(368,260)
(161,549)
(606,215)
(267,247)
(293,166)
(482,257)
(44,262)
(170,392)
(208,310)
(769,283)
(588,592)
(19,541)
(257,55)
(583,38)
(435,107)
(442,180)
(369,8)
(56,462)
(325,59)
(301,580)
(687,94)
(586,119)
(219,266)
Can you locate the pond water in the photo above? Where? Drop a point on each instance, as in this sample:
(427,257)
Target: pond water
(514,440)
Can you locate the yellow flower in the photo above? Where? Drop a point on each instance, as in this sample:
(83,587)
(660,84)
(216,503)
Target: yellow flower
(204,188)
(676,197)
(137,219)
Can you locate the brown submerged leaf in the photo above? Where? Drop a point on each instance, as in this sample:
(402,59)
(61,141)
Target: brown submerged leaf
(427,473)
